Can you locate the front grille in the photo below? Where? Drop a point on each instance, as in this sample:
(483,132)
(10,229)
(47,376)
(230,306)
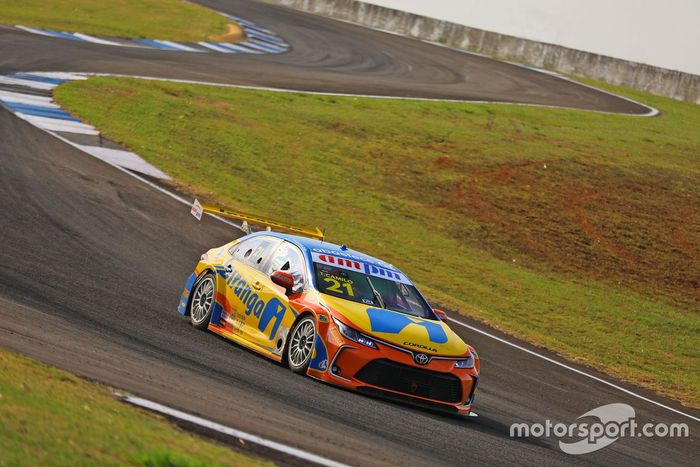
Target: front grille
(412,381)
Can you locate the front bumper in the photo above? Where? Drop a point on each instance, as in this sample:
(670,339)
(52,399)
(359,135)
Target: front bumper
(390,372)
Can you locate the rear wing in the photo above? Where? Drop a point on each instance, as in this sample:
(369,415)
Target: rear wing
(246,219)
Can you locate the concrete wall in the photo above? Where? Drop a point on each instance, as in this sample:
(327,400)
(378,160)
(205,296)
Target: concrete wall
(660,81)
(662,33)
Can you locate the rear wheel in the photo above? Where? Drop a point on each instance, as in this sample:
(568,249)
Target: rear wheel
(301,345)
(202,301)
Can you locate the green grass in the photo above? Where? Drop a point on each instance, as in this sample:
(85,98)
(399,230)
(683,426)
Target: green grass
(577,231)
(175,20)
(50,417)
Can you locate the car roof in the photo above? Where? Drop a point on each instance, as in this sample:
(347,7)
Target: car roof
(309,244)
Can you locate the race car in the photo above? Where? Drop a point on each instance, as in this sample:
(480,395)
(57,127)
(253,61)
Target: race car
(334,314)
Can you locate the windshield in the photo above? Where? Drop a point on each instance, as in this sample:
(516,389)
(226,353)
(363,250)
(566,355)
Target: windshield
(371,290)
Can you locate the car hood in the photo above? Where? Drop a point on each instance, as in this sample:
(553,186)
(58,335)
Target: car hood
(418,334)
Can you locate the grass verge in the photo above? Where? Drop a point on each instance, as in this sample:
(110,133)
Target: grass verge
(51,417)
(155,19)
(576,231)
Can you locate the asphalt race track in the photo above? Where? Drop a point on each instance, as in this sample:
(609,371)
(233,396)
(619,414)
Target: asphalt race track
(93,261)
(326,55)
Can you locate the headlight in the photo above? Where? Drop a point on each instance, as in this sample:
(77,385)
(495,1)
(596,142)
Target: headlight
(466,363)
(354,335)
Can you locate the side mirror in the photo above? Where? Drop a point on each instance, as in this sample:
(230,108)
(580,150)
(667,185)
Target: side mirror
(440,314)
(283,279)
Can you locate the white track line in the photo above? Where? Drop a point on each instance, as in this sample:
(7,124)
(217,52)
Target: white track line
(56,124)
(178,46)
(215,47)
(126,159)
(275,446)
(60,75)
(42,101)
(95,40)
(575,370)
(34,30)
(28,83)
(262,46)
(238,47)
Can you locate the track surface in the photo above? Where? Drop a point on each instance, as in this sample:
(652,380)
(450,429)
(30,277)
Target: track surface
(326,56)
(93,262)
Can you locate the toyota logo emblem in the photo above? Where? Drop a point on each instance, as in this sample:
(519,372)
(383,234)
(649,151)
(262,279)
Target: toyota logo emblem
(421,359)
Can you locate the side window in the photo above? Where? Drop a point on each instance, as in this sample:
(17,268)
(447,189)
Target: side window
(261,252)
(254,251)
(244,249)
(288,258)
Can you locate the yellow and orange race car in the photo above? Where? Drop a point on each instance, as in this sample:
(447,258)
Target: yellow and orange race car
(334,314)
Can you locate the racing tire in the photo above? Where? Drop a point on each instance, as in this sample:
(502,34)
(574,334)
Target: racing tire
(300,346)
(202,300)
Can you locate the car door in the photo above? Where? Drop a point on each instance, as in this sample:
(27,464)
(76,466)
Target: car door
(271,318)
(243,283)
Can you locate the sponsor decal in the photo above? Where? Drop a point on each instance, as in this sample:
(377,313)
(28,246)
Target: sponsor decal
(420,346)
(343,254)
(268,313)
(359,265)
(319,360)
(338,261)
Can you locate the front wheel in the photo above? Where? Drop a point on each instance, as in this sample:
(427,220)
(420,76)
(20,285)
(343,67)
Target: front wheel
(301,345)
(202,301)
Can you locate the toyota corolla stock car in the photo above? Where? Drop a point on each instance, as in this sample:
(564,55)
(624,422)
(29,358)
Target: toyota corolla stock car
(335,314)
